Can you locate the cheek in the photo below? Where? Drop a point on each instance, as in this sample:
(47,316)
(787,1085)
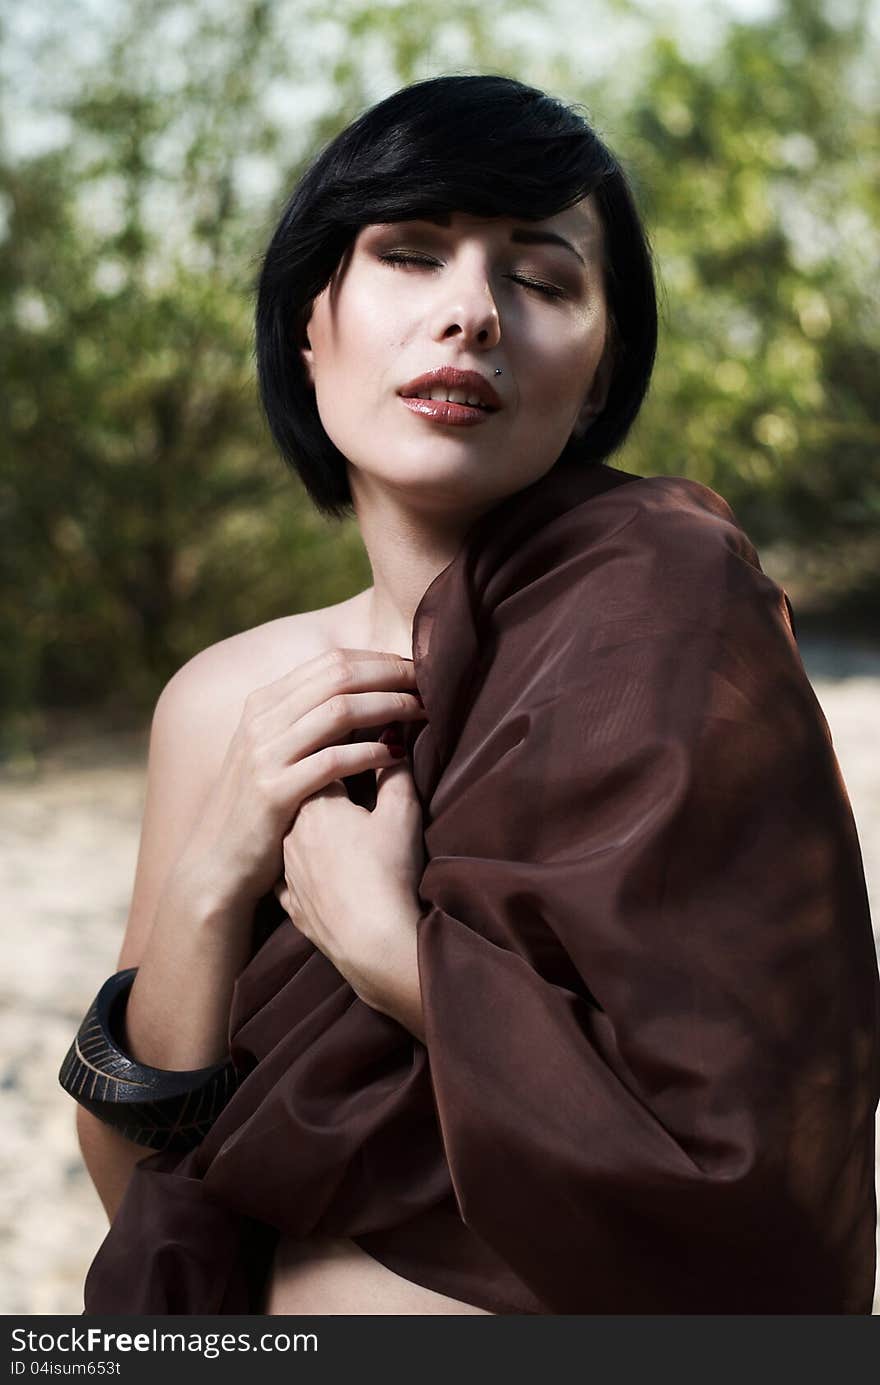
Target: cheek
(559,381)
(364,349)
(570,360)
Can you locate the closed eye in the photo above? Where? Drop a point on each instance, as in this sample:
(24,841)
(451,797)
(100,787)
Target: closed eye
(400,257)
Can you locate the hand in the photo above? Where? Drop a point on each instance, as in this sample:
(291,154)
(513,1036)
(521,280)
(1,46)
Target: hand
(351,883)
(288,745)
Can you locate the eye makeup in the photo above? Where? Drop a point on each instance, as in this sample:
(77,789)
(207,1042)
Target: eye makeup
(404,257)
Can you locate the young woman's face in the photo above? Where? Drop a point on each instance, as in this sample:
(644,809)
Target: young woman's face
(477,294)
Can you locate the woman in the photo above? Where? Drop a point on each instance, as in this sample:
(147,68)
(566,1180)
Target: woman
(581,1013)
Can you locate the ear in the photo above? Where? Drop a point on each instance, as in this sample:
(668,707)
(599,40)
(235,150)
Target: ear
(597,395)
(307,357)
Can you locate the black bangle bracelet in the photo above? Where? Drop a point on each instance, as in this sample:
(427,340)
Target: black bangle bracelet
(151,1106)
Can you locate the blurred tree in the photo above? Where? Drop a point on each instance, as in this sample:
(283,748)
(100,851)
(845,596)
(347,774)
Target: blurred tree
(760,172)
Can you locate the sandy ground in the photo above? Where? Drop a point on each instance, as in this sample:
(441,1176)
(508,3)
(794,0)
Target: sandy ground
(70,835)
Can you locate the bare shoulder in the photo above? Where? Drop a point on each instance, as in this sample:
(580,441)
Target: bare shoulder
(218,679)
(201,705)
(194,722)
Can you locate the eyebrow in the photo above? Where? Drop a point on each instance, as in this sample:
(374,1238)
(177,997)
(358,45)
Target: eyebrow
(524,237)
(520,235)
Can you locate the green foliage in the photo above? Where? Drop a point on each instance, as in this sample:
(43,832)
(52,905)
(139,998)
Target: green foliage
(144,512)
(761,173)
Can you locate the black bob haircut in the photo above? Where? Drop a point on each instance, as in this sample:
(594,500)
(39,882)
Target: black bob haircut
(486,145)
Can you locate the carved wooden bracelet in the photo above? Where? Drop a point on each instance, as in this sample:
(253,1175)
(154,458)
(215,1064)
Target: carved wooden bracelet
(150,1106)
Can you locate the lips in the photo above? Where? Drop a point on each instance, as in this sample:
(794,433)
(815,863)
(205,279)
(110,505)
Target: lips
(443,411)
(466,384)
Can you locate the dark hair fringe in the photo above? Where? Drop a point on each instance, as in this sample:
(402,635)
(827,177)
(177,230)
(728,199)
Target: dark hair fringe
(487,145)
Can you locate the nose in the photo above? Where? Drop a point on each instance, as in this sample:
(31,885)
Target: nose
(467,308)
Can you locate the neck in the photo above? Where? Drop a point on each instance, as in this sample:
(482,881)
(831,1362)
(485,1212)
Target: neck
(406,548)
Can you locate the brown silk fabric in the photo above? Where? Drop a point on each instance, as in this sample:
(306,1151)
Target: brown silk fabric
(650,988)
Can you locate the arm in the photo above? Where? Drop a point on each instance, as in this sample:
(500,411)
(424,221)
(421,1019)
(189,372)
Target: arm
(187,948)
(396,990)
(211,844)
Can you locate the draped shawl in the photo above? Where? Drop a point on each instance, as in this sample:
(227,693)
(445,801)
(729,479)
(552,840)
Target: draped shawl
(650,990)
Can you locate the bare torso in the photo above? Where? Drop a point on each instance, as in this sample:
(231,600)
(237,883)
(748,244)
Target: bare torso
(328,1275)
(333,1275)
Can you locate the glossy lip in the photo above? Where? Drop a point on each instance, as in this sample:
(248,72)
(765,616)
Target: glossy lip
(444,411)
(469,380)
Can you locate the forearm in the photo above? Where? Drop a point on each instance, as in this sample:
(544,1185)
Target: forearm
(394,986)
(177,1015)
(109,1158)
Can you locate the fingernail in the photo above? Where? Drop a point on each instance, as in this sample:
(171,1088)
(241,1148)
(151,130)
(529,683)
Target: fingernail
(391,732)
(397,749)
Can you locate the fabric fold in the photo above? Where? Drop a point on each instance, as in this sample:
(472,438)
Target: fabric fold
(651,995)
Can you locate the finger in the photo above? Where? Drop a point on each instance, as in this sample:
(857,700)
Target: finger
(334,790)
(396,788)
(334,673)
(299,781)
(331,721)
